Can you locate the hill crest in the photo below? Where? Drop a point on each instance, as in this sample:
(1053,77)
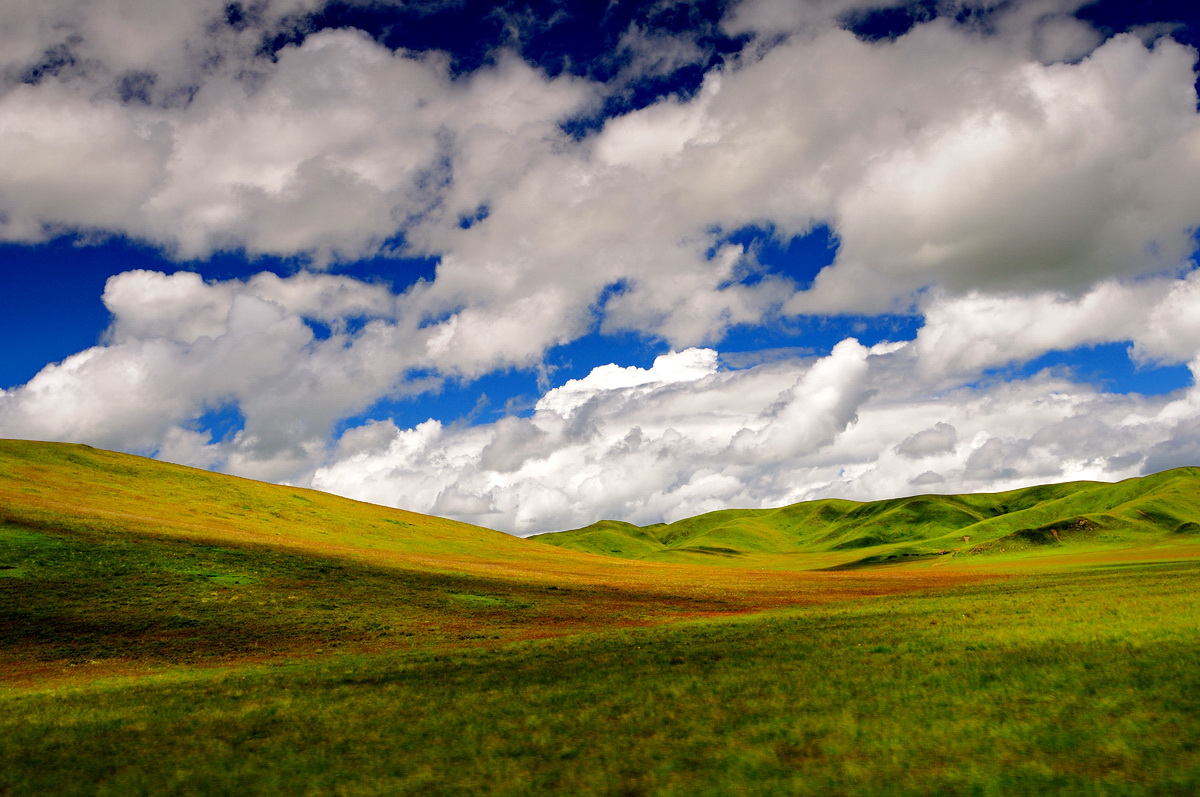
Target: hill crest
(1132,510)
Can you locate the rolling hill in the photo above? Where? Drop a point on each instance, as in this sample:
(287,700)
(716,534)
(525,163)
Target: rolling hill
(92,489)
(1163,506)
(165,630)
(120,562)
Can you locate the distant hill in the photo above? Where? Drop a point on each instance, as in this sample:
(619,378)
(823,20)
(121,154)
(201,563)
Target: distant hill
(1131,511)
(79,488)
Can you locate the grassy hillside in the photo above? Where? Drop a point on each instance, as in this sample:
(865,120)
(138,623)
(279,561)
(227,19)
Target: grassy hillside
(1160,507)
(97,490)
(165,630)
(115,563)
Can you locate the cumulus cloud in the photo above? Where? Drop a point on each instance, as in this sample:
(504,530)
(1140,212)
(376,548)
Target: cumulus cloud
(638,442)
(182,307)
(657,53)
(1025,189)
(327,150)
(1044,177)
(772,18)
(927,479)
(940,158)
(966,334)
(1171,334)
(179,347)
(155,50)
(812,412)
(1181,448)
(645,447)
(684,436)
(673,368)
(938,439)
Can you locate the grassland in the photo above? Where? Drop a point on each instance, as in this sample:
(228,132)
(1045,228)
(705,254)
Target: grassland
(131,564)
(170,631)
(1153,510)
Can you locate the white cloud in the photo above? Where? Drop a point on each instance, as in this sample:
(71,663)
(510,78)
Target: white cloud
(942,158)
(937,439)
(849,424)
(619,439)
(1037,177)
(966,334)
(642,444)
(178,347)
(182,307)
(101,41)
(329,150)
(657,53)
(927,479)
(1172,332)
(1025,191)
(812,412)
(673,368)
(769,18)
(1063,38)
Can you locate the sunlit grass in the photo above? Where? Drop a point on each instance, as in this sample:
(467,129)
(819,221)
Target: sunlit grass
(130,564)
(170,631)
(1156,509)
(1087,683)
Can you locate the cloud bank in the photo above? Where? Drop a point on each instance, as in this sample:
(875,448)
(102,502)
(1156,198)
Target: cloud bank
(1026,188)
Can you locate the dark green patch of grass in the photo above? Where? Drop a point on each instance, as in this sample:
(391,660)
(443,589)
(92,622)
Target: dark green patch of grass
(1083,682)
(87,596)
(892,557)
(81,596)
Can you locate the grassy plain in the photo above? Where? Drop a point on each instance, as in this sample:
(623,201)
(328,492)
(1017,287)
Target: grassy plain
(169,631)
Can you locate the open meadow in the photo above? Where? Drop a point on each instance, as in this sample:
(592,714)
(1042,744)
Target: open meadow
(165,630)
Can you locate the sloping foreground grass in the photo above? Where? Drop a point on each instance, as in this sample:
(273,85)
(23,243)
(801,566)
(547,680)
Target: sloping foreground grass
(1156,508)
(75,604)
(1082,682)
(290,642)
(118,564)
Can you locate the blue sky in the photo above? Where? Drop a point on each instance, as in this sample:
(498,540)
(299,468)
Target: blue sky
(530,265)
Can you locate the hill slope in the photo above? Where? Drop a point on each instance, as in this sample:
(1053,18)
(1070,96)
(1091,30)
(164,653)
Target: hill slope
(1135,510)
(56,483)
(357,647)
(115,563)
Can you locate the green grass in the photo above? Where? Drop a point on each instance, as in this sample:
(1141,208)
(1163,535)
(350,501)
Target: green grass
(88,489)
(170,631)
(135,565)
(132,602)
(1085,682)
(84,596)
(1151,508)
